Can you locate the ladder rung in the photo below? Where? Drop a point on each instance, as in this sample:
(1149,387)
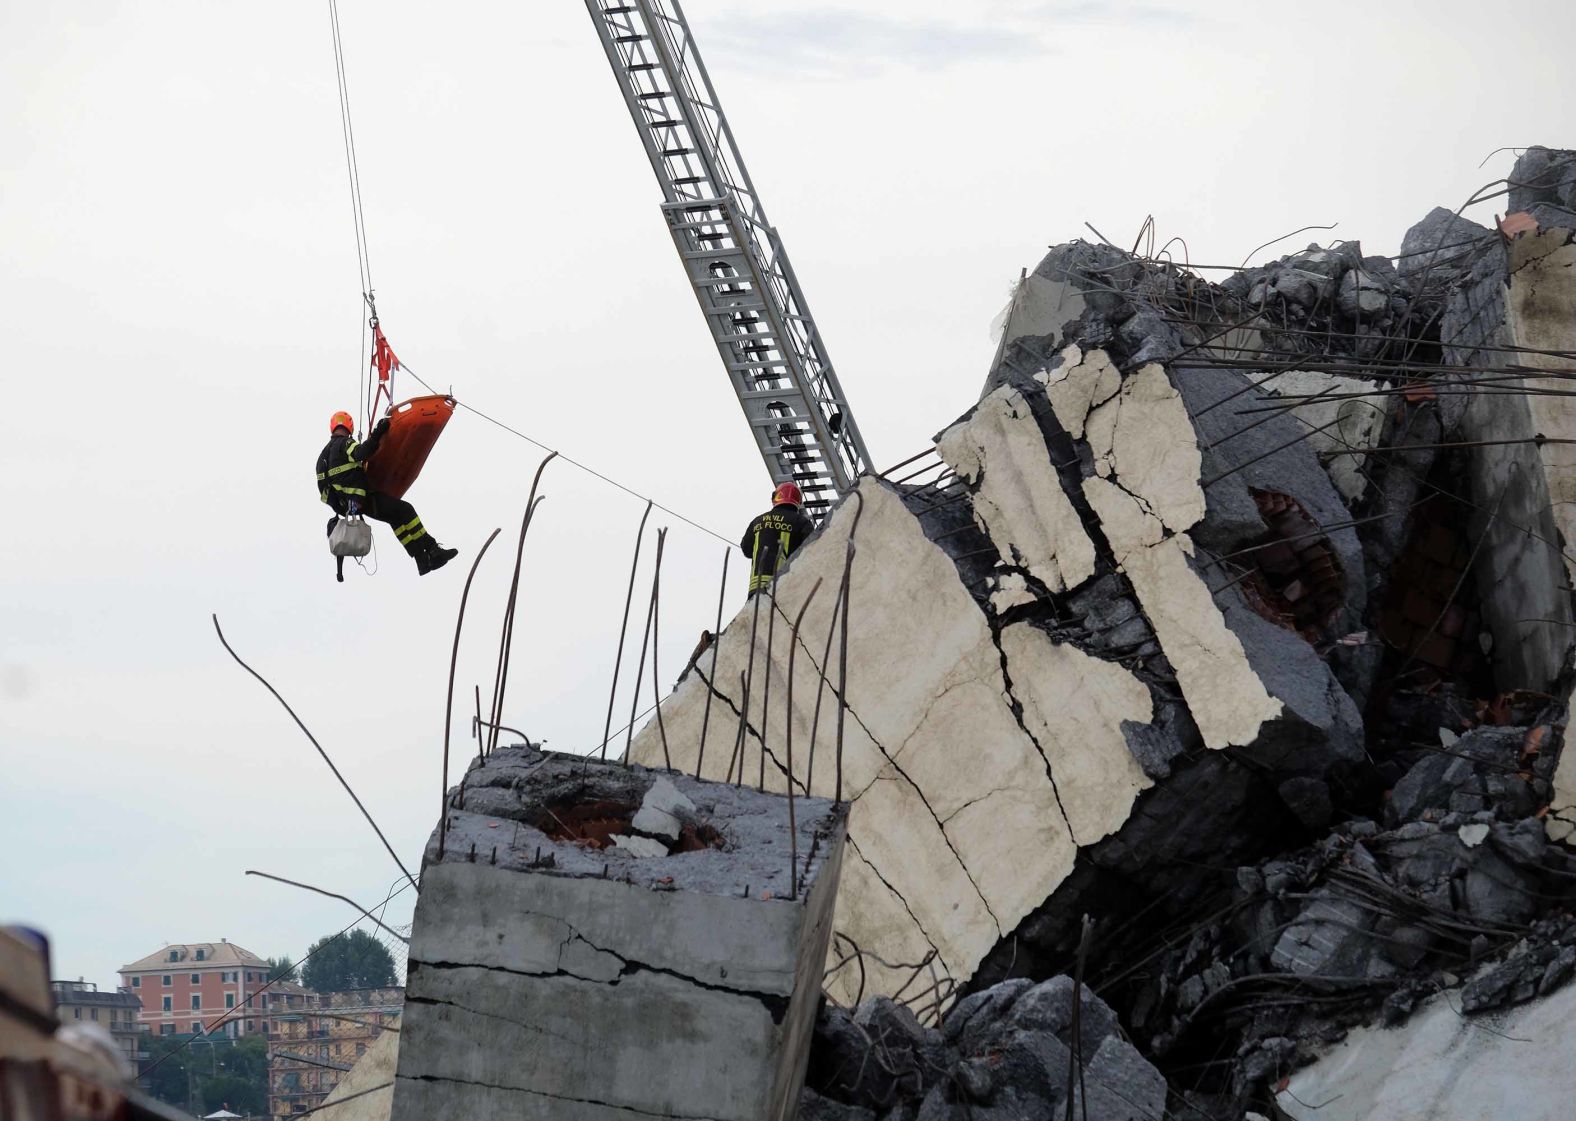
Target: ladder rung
(622,9)
(688,180)
(629,38)
(643,66)
(653,96)
(779,421)
(663,124)
(678,151)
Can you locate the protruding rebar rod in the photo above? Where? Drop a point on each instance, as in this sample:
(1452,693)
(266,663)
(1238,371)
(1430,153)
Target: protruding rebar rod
(640,670)
(448,704)
(737,758)
(656,644)
(623,628)
(500,677)
(307,732)
(820,691)
(333,895)
(793,829)
(505,728)
(508,629)
(749,674)
(716,644)
(481,744)
(766,665)
(1207,483)
(842,673)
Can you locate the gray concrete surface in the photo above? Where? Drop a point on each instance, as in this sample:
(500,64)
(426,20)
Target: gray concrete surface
(551,979)
(1442,1066)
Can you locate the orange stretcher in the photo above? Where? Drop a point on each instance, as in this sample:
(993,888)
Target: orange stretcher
(414,427)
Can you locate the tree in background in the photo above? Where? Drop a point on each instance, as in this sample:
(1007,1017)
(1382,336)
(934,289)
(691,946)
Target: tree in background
(354,961)
(281,969)
(205,1072)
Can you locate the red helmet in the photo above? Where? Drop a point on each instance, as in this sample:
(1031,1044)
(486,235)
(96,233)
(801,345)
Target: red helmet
(787,493)
(343,420)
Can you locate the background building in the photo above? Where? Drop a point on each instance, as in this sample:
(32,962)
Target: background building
(190,987)
(117,1012)
(311,1048)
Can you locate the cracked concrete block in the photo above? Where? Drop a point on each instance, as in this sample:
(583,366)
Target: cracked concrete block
(947,783)
(556,978)
(1018,501)
(1227,698)
(1079,730)
(1144,438)
(1077,383)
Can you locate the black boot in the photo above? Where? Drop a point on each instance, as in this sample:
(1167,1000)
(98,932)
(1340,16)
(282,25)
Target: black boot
(433,558)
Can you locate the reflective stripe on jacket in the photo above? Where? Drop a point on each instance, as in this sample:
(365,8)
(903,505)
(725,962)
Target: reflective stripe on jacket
(772,539)
(341,467)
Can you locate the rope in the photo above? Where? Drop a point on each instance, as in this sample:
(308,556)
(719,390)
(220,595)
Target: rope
(405,366)
(358,213)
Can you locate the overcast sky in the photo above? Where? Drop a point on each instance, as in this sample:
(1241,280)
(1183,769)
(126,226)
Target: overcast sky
(179,315)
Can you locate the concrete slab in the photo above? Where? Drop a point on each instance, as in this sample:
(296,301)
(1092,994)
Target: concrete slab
(1443,1066)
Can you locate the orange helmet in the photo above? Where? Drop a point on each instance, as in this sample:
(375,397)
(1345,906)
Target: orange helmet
(343,420)
(787,493)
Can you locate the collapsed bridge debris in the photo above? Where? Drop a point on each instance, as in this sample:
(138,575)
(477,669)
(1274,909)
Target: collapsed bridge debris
(1236,616)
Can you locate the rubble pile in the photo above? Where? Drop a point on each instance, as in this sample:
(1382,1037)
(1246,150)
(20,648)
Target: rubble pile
(1015,1050)
(1246,640)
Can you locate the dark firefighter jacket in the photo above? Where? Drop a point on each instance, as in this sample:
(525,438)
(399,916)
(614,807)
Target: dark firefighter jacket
(341,470)
(771,540)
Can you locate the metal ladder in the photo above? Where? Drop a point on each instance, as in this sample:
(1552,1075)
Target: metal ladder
(733,257)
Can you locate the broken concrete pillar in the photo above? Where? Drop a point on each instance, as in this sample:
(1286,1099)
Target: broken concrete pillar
(555,974)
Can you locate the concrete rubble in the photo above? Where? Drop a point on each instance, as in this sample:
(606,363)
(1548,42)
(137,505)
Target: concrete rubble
(1246,632)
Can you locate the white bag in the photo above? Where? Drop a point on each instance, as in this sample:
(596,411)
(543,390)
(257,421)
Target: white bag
(351,537)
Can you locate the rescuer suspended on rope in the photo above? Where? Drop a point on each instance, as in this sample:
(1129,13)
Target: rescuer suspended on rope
(343,483)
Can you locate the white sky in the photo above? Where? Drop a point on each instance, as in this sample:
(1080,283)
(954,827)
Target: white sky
(179,314)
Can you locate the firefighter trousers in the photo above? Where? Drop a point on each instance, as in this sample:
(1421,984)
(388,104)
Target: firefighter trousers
(401,516)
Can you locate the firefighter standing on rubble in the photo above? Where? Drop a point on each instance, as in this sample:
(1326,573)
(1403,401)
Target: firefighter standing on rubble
(342,483)
(774,535)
